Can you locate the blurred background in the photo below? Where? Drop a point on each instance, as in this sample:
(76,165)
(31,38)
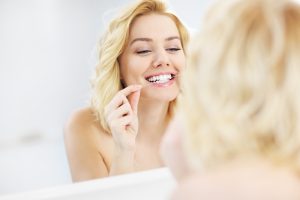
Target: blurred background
(47,55)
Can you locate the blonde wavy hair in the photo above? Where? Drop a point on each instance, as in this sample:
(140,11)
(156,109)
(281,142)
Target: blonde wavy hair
(241,87)
(106,80)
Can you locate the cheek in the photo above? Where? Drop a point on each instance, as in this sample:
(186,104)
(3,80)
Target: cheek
(132,72)
(180,62)
(127,66)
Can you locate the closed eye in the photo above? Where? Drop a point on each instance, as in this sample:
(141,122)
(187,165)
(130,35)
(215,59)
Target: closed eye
(143,52)
(173,49)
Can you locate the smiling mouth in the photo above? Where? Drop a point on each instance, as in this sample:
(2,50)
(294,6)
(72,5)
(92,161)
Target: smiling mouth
(164,78)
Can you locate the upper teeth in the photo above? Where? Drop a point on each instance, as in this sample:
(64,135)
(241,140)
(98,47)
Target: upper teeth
(160,79)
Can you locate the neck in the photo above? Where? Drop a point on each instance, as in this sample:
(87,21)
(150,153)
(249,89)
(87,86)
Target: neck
(153,119)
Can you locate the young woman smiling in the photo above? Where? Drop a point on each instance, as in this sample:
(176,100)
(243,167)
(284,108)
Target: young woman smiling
(134,90)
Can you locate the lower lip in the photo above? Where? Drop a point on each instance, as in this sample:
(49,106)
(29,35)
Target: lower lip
(162,85)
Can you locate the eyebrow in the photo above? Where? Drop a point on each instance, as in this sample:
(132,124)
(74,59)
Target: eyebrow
(150,40)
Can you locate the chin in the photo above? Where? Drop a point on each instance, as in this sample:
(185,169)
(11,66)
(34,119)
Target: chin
(167,96)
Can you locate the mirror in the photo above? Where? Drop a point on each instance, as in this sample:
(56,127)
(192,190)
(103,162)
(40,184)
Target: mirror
(47,55)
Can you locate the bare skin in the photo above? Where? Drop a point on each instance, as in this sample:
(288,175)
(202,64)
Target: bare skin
(241,180)
(97,148)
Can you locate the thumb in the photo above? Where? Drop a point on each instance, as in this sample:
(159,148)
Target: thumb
(134,100)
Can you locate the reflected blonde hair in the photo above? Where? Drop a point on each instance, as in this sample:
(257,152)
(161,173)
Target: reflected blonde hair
(106,81)
(241,88)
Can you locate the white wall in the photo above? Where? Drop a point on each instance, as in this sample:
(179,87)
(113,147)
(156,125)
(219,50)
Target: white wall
(47,54)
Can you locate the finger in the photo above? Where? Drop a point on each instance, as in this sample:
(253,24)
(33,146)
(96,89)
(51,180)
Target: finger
(118,99)
(123,110)
(134,100)
(126,120)
(128,90)
(116,102)
(122,122)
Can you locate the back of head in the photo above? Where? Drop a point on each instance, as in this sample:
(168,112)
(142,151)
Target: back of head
(106,81)
(241,87)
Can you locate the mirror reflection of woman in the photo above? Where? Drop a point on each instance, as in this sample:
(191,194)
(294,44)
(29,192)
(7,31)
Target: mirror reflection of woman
(134,91)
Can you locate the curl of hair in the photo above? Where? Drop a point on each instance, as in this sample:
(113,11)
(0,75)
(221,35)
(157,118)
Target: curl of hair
(241,85)
(106,79)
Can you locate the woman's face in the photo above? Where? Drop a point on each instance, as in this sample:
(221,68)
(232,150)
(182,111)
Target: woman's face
(153,57)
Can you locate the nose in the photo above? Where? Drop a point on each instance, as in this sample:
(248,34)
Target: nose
(161,59)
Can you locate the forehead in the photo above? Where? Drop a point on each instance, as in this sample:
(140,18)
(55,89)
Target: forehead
(153,26)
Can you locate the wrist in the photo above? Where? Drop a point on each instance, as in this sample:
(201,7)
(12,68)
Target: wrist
(124,153)
(122,147)
(122,161)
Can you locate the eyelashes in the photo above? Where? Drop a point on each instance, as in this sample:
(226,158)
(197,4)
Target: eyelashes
(141,52)
(147,51)
(174,49)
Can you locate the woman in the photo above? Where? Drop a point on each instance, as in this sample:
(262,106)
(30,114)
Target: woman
(240,109)
(134,91)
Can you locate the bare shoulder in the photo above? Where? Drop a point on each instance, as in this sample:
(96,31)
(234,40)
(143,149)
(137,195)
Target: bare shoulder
(83,122)
(83,128)
(83,118)
(82,134)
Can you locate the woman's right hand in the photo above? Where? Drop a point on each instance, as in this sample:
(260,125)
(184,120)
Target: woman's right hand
(121,117)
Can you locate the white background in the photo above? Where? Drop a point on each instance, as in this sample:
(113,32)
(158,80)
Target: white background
(47,55)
